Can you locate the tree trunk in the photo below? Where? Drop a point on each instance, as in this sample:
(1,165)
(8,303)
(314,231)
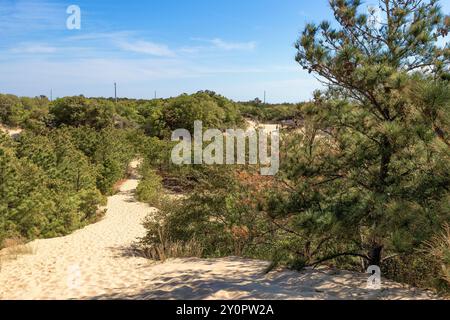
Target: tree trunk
(386,154)
(374,255)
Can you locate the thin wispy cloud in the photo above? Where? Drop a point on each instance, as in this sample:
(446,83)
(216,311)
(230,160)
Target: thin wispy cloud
(221,44)
(26,15)
(125,41)
(146,47)
(191,50)
(33,48)
(101,36)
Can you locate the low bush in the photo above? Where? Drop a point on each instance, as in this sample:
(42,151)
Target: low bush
(150,188)
(219,216)
(438,250)
(160,243)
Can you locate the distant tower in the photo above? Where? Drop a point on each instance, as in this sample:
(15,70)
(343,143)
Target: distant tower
(264,97)
(51,94)
(155,94)
(115,92)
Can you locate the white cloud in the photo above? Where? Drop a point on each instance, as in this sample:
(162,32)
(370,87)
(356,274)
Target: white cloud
(221,44)
(140,77)
(33,48)
(101,36)
(376,17)
(295,89)
(25,15)
(191,50)
(146,47)
(218,43)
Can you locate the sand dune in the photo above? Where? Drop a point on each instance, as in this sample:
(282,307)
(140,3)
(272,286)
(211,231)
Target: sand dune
(13,132)
(268,127)
(97,263)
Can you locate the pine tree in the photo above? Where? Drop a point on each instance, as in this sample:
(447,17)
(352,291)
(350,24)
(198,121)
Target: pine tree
(365,175)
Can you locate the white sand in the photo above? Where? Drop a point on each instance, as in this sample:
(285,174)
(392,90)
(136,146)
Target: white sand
(13,132)
(96,263)
(256,125)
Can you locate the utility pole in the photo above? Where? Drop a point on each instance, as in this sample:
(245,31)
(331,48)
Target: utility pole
(115,92)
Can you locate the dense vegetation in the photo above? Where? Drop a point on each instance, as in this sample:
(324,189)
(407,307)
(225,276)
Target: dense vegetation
(73,151)
(163,116)
(266,113)
(25,112)
(52,183)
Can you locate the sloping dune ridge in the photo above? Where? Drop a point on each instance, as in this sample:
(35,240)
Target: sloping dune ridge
(97,263)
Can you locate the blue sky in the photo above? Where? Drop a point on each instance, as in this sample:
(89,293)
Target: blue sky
(236,48)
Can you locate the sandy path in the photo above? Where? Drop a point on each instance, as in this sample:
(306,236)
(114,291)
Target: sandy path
(95,263)
(87,263)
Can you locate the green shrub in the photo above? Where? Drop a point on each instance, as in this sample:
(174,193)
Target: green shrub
(90,200)
(150,188)
(215,111)
(438,249)
(160,242)
(80,111)
(219,215)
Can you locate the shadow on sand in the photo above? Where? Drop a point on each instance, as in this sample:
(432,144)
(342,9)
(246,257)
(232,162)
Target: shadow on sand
(245,279)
